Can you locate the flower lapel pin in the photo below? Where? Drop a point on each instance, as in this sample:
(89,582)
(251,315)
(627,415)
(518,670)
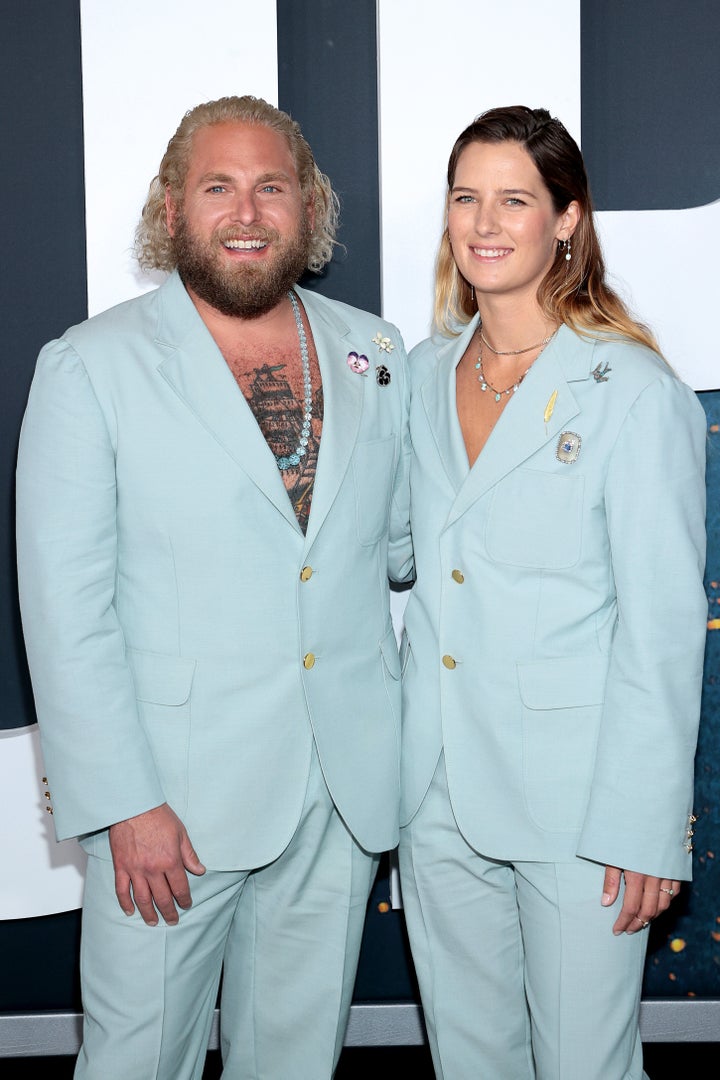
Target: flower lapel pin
(358,363)
(384,344)
(382,372)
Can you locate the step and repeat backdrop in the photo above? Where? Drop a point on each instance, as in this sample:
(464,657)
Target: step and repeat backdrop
(92,92)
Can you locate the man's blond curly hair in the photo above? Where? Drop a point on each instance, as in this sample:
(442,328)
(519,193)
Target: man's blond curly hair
(153,243)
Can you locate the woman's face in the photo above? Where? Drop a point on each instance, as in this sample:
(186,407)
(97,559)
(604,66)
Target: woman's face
(502,224)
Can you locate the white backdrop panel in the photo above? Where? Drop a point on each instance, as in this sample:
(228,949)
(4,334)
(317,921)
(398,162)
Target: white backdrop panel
(663,262)
(144,65)
(441,63)
(40,876)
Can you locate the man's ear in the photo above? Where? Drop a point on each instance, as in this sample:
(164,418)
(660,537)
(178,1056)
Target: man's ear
(310,208)
(171,209)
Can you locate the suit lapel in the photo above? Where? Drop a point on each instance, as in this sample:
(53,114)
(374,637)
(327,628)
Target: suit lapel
(343,392)
(439,402)
(196,371)
(537,414)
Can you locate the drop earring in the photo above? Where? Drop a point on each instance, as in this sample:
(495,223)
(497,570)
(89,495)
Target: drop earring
(568,250)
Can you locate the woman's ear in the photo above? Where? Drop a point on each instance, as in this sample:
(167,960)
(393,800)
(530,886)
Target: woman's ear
(569,220)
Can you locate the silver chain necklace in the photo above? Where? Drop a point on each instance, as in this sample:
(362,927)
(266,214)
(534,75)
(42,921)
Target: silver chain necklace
(289,461)
(514,352)
(483,380)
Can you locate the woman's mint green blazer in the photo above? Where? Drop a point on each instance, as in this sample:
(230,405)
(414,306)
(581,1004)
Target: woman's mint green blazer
(555,633)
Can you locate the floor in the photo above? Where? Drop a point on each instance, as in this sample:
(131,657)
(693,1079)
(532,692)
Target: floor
(663,1062)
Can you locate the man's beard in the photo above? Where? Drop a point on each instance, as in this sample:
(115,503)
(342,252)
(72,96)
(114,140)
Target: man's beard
(246,290)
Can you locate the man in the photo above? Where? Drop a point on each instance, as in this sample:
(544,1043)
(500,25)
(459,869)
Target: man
(211,482)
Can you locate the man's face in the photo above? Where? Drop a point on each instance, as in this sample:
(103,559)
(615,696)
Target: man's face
(242,230)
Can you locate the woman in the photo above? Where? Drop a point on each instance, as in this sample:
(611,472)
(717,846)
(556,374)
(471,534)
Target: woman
(554,637)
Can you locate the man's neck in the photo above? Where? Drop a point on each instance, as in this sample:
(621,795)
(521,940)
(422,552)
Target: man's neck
(274,325)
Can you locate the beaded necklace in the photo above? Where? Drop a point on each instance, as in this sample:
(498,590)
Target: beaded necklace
(485,384)
(289,461)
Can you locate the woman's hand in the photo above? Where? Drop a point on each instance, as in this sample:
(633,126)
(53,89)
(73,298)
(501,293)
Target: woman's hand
(645,897)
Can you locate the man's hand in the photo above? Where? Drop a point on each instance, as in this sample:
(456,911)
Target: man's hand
(645,897)
(152,854)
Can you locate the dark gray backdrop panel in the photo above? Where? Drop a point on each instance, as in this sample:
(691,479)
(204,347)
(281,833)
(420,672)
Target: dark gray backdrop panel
(651,103)
(42,223)
(42,291)
(327,81)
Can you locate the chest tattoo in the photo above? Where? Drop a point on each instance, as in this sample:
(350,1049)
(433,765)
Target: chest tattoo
(274,392)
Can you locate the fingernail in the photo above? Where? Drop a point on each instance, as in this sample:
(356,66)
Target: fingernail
(606,898)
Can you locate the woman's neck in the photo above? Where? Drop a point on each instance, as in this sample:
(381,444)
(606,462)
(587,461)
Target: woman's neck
(507,328)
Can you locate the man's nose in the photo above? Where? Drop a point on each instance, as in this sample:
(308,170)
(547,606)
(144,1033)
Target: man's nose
(245,208)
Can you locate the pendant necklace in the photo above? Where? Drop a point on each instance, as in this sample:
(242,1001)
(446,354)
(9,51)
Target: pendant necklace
(485,384)
(289,461)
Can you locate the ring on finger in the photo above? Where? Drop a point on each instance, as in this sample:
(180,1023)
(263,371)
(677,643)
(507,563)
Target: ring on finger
(670,892)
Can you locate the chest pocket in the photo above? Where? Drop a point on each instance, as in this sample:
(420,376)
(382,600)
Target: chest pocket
(535,520)
(373,468)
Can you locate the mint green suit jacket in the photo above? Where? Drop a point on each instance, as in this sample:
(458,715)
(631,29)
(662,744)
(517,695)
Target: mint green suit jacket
(169,628)
(561,578)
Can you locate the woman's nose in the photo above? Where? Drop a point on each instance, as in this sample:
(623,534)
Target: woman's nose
(485,219)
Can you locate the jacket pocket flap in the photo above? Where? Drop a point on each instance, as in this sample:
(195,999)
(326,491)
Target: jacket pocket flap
(567,683)
(161,679)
